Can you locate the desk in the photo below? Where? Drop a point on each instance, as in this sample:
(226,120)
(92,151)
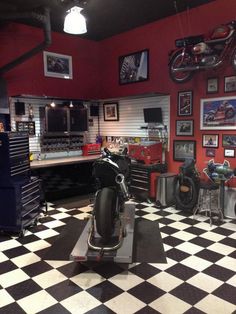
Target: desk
(65,177)
(45,163)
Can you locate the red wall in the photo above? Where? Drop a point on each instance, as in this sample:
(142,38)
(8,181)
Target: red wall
(159,38)
(95,65)
(28,78)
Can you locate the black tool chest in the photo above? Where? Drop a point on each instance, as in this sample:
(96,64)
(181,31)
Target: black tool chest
(19,193)
(143,179)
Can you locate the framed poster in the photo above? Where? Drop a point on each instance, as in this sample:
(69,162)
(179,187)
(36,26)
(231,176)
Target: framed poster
(210,152)
(111,111)
(212,85)
(230,84)
(210,140)
(184,127)
(229,140)
(185,103)
(218,113)
(229,152)
(57,65)
(184,149)
(134,67)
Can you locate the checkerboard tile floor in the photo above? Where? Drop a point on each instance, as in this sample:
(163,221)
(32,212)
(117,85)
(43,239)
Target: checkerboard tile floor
(199,276)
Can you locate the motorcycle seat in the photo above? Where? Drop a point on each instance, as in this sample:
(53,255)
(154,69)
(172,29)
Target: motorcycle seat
(186,41)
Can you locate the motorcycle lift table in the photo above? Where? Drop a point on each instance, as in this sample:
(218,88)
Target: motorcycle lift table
(82,252)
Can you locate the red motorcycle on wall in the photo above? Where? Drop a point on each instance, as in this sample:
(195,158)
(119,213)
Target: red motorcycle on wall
(199,52)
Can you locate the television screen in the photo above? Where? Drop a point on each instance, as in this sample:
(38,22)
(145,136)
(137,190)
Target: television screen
(152,115)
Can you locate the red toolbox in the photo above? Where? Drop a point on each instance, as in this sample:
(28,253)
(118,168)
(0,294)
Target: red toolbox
(91,149)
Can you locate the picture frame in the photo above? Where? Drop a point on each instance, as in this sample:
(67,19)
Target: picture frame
(229,152)
(210,140)
(185,103)
(26,126)
(230,83)
(184,127)
(218,113)
(210,152)
(134,67)
(57,65)
(212,85)
(229,140)
(111,111)
(183,149)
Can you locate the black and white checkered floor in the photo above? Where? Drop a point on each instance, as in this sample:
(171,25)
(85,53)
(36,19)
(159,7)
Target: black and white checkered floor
(199,276)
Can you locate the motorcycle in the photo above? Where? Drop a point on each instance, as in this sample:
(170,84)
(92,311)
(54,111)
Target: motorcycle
(186,185)
(199,52)
(112,174)
(224,111)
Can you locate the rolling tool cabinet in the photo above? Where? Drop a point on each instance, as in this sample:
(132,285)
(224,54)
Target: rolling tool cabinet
(144,178)
(19,193)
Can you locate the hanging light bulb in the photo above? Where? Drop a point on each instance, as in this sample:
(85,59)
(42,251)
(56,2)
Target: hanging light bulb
(75,22)
(53,105)
(71,105)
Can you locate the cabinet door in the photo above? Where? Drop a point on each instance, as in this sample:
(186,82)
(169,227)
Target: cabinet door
(78,120)
(56,119)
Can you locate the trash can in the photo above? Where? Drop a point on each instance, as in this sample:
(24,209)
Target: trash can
(165,189)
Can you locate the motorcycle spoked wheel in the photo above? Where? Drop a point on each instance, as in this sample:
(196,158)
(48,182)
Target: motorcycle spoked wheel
(105,213)
(176,61)
(185,193)
(233,59)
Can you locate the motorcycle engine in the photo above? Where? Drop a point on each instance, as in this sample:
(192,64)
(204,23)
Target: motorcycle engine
(201,48)
(209,60)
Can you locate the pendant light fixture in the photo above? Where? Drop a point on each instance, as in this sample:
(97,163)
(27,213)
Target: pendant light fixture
(75,22)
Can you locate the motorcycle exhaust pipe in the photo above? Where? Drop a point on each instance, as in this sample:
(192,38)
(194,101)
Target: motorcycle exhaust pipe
(197,67)
(120,179)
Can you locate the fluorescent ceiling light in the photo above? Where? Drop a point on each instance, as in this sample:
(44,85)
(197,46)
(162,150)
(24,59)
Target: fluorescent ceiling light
(75,22)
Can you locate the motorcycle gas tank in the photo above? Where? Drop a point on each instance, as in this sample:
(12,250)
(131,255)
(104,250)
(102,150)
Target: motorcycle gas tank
(220,32)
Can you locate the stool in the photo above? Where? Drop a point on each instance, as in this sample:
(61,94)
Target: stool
(208,195)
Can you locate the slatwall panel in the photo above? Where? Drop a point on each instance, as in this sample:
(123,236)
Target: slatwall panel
(131,116)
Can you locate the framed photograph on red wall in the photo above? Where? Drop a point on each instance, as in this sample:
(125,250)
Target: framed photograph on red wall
(185,103)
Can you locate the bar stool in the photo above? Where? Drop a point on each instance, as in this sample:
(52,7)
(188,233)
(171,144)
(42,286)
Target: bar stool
(209,201)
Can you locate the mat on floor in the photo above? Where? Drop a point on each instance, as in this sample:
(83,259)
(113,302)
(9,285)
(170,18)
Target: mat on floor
(147,245)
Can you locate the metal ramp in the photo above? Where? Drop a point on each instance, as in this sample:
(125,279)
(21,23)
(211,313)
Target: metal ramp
(82,252)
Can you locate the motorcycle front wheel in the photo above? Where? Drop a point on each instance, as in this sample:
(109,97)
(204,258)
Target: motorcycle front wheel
(185,193)
(177,62)
(105,213)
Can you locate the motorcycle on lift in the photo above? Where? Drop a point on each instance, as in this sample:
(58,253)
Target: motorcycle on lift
(199,52)
(186,185)
(111,173)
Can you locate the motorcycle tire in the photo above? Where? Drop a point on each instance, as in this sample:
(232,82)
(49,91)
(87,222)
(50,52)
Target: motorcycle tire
(105,211)
(233,60)
(179,77)
(185,193)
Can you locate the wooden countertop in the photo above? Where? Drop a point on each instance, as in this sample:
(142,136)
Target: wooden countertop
(36,164)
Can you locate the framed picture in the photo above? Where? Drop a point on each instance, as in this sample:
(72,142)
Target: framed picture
(184,127)
(210,140)
(185,103)
(229,153)
(184,149)
(218,113)
(134,67)
(212,85)
(57,65)
(229,140)
(111,111)
(26,126)
(230,84)
(210,152)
